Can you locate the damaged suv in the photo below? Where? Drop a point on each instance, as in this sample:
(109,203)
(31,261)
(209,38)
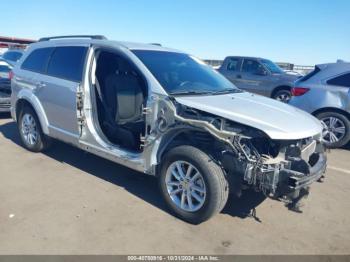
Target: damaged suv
(167,114)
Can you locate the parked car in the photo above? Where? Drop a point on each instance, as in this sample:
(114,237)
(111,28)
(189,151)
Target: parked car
(167,114)
(12,56)
(325,93)
(5,86)
(258,75)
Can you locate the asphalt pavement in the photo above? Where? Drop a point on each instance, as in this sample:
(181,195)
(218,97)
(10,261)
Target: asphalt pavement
(66,201)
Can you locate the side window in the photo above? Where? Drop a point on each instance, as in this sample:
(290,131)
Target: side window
(251,66)
(233,64)
(37,60)
(311,74)
(67,62)
(343,80)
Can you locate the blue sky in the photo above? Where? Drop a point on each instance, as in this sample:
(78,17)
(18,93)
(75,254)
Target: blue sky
(298,31)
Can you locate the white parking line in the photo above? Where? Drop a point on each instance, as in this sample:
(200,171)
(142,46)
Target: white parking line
(346,171)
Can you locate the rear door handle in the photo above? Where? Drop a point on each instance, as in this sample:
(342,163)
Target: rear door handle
(239,76)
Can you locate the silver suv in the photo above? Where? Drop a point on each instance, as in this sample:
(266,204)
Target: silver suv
(167,114)
(325,93)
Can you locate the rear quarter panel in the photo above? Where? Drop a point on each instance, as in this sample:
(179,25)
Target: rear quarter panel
(321,96)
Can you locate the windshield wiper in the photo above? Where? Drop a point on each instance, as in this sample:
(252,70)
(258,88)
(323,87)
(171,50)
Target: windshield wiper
(226,91)
(191,93)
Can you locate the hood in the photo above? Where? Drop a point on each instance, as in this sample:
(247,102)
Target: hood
(276,119)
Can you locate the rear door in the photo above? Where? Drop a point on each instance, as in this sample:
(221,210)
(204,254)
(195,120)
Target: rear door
(57,90)
(254,77)
(232,70)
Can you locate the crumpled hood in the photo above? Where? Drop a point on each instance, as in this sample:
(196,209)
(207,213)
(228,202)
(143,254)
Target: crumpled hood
(276,119)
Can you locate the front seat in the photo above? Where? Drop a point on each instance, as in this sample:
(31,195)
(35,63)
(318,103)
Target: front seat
(124,96)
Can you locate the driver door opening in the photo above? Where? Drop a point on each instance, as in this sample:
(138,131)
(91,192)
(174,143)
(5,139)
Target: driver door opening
(120,92)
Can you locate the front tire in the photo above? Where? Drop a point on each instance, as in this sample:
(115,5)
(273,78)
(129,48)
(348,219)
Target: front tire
(336,129)
(30,131)
(193,186)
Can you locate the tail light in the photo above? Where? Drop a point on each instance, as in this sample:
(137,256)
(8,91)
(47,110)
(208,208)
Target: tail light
(299,91)
(11,75)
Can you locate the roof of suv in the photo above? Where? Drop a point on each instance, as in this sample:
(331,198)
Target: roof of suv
(109,43)
(246,57)
(339,66)
(325,71)
(333,69)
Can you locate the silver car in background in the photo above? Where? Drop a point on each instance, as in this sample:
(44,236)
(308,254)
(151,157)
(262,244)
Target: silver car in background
(325,93)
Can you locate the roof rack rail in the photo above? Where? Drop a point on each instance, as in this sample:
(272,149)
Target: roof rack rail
(99,37)
(156,44)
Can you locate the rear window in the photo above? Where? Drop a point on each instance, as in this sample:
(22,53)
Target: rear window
(311,74)
(37,60)
(343,80)
(4,69)
(67,62)
(12,56)
(232,64)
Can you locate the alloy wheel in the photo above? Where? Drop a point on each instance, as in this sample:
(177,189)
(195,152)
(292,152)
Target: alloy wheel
(185,186)
(29,129)
(333,129)
(283,97)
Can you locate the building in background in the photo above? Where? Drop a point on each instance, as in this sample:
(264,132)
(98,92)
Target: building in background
(13,43)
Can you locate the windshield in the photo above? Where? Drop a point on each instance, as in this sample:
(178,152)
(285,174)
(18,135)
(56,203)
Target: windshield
(274,69)
(181,74)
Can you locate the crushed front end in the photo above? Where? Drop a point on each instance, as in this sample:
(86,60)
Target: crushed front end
(281,169)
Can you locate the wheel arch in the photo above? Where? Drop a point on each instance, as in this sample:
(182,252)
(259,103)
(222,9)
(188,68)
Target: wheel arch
(331,109)
(37,108)
(183,136)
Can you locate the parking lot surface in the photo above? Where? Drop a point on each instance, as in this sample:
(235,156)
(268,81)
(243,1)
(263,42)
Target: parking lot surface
(66,201)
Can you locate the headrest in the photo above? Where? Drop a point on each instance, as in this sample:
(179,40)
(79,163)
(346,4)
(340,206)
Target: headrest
(124,68)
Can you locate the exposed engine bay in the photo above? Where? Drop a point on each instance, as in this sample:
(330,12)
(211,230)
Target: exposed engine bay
(280,169)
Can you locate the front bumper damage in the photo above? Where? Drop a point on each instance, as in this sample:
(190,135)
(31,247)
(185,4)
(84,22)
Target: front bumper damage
(290,176)
(280,169)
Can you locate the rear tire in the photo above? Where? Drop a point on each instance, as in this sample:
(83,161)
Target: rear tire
(30,131)
(201,192)
(283,95)
(336,132)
